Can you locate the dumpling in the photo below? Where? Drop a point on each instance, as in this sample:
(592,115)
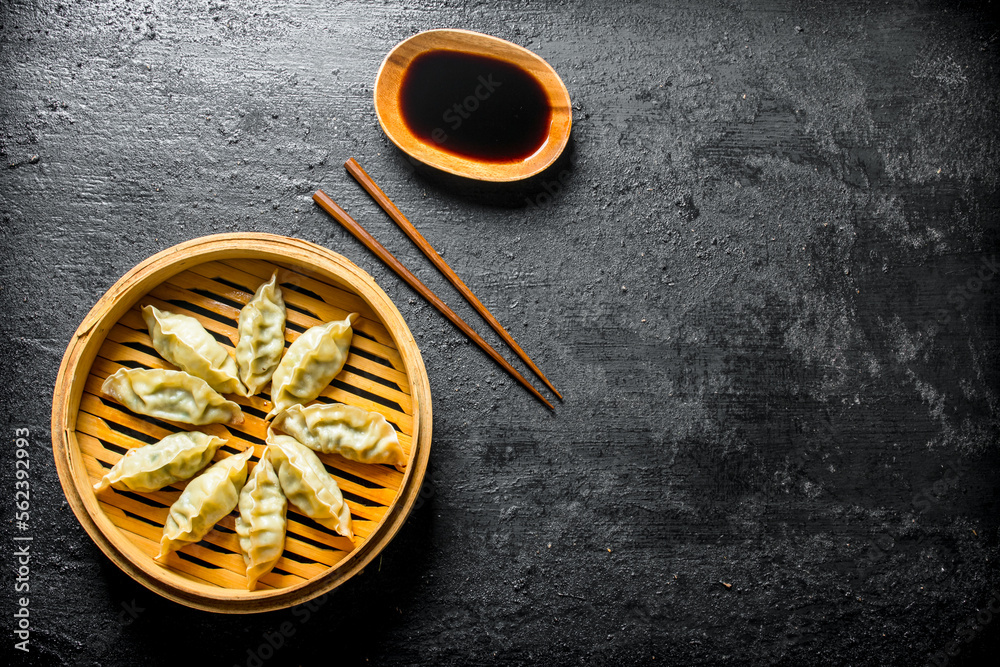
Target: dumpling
(182,341)
(336,428)
(307,484)
(310,363)
(262,336)
(206,499)
(177,457)
(173,395)
(261,523)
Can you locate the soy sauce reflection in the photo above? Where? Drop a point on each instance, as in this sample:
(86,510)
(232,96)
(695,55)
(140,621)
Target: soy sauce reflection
(474,106)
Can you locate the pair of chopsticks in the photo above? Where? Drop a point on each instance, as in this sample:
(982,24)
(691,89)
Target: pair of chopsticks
(360,233)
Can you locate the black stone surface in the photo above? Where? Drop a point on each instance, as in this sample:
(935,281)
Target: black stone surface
(764,277)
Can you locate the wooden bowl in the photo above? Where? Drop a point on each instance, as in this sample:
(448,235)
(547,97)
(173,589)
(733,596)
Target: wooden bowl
(211,278)
(387,104)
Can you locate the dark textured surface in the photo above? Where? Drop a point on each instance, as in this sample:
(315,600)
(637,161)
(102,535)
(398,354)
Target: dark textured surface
(765,282)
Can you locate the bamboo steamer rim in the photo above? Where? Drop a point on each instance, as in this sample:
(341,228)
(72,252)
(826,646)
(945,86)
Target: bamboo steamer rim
(90,336)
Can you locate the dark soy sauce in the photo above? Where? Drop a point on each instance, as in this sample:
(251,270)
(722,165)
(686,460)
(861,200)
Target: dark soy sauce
(474,106)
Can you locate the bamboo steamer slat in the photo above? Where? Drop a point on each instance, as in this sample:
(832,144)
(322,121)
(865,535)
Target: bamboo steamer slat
(211,278)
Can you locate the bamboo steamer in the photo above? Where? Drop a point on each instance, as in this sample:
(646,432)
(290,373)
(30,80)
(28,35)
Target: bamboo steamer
(211,278)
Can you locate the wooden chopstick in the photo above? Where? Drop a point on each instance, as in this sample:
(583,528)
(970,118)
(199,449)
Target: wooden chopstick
(361,234)
(366,181)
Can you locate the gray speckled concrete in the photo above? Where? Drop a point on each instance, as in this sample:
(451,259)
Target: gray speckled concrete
(766,285)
